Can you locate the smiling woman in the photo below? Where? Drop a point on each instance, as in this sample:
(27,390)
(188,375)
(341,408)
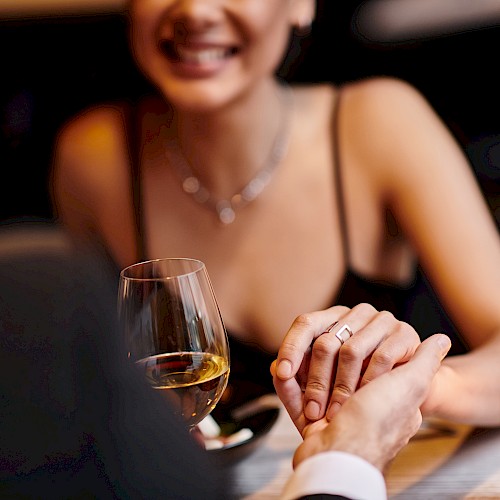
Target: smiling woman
(199,54)
(370,184)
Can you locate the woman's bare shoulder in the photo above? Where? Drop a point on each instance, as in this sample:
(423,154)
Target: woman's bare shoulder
(385,104)
(91,131)
(92,145)
(91,177)
(365,93)
(373,89)
(382,118)
(90,160)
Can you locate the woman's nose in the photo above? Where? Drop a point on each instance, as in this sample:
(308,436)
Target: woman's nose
(189,15)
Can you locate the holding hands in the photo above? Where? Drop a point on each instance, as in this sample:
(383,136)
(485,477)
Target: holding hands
(377,420)
(330,367)
(380,418)
(327,355)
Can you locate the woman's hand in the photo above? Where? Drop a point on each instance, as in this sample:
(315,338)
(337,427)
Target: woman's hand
(381,417)
(316,371)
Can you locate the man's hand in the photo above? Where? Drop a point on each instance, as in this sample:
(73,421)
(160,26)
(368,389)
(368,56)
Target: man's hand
(327,355)
(381,417)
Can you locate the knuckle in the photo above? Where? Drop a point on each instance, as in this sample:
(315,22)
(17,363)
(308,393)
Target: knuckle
(316,386)
(383,358)
(386,317)
(342,309)
(350,351)
(322,347)
(341,392)
(364,308)
(303,321)
(287,349)
(408,330)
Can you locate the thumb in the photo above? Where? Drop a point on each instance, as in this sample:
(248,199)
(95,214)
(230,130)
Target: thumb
(425,363)
(432,350)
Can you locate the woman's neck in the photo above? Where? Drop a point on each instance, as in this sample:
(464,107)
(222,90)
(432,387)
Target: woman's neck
(228,147)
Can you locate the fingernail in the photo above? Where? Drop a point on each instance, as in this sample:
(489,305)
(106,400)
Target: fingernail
(445,343)
(334,408)
(312,410)
(284,370)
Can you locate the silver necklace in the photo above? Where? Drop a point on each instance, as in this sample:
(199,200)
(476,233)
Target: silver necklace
(226,208)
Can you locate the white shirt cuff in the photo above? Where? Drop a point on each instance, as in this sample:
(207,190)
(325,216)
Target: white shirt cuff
(336,473)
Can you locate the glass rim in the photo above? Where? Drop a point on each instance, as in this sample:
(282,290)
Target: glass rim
(163,259)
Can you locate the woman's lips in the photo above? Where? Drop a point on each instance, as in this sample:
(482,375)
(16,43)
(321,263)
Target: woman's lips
(200,56)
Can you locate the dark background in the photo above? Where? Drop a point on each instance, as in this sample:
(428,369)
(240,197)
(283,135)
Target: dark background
(52,67)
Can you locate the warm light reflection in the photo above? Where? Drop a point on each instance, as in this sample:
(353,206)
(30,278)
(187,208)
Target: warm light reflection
(400,20)
(34,8)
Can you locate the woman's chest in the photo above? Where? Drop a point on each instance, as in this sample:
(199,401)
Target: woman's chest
(265,276)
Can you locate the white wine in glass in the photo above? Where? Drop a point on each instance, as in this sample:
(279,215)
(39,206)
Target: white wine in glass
(174,332)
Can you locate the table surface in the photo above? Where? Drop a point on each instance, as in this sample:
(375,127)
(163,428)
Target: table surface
(464,464)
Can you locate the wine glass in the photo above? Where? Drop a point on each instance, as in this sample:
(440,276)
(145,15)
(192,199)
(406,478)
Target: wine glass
(174,332)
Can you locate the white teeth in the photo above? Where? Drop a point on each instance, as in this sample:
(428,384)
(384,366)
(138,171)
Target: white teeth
(200,56)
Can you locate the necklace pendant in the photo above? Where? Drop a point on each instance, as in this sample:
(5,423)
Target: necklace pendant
(226,208)
(226,212)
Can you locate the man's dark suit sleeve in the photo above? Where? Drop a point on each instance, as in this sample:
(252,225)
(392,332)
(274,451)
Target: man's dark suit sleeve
(76,420)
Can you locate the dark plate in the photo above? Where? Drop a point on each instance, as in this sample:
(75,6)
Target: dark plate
(258,415)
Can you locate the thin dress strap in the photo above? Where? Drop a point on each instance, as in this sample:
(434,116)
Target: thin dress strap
(134,137)
(338,180)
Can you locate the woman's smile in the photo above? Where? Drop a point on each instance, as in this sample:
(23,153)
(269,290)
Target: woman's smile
(199,59)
